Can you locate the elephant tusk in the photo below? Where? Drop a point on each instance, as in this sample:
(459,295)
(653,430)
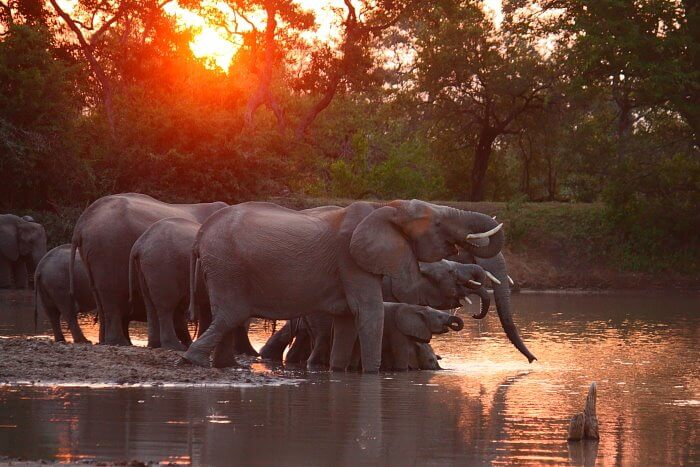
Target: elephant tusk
(485,234)
(465,299)
(474,282)
(492,277)
(494,217)
(510,279)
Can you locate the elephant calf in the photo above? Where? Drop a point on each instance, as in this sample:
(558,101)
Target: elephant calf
(52,292)
(22,245)
(404,325)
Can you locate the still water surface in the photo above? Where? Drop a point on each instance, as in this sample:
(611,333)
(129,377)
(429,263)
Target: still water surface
(488,406)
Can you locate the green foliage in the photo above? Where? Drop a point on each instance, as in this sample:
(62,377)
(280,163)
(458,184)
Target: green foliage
(407,172)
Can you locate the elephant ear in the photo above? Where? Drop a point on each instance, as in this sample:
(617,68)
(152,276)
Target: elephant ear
(411,322)
(379,246)
(9,247)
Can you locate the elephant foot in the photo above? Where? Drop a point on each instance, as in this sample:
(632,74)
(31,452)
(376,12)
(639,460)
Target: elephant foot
(177,345)
(194,359)
(118,341)
(82,341)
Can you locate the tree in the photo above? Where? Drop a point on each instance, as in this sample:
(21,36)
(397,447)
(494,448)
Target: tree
(479,79)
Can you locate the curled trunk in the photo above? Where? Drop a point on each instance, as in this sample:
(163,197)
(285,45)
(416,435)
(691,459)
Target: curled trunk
(485,302)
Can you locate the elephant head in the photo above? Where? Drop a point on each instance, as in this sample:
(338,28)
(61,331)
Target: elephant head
(454,281)
(22,239)
(394,238)
(421,322)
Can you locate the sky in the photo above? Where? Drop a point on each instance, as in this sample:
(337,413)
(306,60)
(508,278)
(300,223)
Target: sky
(211,42)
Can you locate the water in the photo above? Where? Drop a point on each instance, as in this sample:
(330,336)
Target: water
(490,406)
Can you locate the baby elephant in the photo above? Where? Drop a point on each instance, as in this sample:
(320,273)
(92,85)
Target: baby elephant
(404,325)
(52,292)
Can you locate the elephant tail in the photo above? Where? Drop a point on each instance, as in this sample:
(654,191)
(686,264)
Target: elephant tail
(194,281)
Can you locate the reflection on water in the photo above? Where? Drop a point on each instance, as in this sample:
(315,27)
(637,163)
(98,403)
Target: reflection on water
(489,407)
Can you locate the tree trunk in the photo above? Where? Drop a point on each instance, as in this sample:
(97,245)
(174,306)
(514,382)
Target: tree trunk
(482,154)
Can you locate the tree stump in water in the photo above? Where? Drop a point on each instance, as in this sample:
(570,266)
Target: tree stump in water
(584,425)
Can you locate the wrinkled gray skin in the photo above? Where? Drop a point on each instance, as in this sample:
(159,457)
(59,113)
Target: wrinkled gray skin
(440,285)
(262,260)
(104,234)
(159,271)
(501,293)
(22,245)
(52,292)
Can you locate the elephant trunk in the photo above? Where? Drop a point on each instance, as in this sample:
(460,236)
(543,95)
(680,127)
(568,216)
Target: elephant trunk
(502,296)
(455,323)
(478,224)
(485,302)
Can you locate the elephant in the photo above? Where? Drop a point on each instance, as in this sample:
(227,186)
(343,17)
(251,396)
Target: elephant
(496,265)
(22,245)
(104,235)
(263,260)
(159,270)
(404,325)
(52,292)
(422,357)
(440,285)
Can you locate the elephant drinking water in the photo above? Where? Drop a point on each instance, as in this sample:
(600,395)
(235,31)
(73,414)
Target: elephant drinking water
(263,260)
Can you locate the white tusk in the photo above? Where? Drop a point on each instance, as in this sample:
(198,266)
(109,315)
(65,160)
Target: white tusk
(485,234)
(510,279)
(465,299)
(494,218)
(492,277)
(474,282)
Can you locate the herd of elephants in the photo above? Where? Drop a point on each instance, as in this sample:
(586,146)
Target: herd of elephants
(362,287)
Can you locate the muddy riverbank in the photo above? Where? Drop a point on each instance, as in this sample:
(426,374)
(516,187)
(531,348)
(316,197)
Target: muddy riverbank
(39,361)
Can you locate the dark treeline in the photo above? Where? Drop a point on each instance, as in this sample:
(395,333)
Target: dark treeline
(547,100)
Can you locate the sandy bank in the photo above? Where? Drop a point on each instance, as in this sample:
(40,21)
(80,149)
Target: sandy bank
(39,361)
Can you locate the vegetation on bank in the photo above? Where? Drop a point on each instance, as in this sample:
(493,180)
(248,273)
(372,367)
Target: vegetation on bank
(596,109)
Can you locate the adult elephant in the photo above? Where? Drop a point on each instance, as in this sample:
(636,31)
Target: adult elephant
(263,260)
(496,265)
(104,234)
(22,245)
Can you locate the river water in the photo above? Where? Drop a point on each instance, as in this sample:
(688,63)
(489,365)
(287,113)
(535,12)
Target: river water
(488,406)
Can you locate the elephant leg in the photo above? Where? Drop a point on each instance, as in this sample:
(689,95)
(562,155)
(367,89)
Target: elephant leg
(201,349)
(224,352)
(180,322)
(55,319)
(168,336)
(154,327)
(203,316)
(114,311)
(344,337)
(275,345)
(400,350)
(241,342)
(75,331)
(355,361)
(364,297)
(321,331)
(20,274)
(70,313)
